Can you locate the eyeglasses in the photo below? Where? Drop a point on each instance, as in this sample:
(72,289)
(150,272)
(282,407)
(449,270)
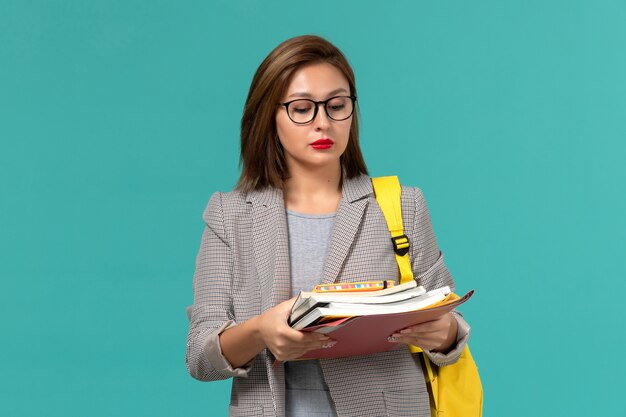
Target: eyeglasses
(303,111)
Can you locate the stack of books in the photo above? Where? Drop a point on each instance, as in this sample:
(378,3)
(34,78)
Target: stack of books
(361,321)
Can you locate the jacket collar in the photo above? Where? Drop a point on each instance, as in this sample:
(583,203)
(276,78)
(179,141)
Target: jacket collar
(267,197)
(352,190)
(356,188)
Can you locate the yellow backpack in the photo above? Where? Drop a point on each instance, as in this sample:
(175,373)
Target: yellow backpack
(455,390)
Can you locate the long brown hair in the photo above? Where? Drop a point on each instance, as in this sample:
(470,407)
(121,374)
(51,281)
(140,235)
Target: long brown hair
(262,157)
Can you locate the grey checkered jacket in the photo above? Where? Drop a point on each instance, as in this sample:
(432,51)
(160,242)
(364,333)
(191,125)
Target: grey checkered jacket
(242,269)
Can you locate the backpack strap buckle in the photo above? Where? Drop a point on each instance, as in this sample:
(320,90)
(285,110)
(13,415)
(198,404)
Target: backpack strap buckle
(400,245)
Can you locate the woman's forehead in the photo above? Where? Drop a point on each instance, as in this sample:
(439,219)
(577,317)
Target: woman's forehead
(317,81)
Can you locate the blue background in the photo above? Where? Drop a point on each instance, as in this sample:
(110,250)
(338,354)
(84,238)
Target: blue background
(118,119)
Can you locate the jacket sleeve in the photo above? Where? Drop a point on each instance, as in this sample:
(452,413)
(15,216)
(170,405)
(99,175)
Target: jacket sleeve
(211,312)
(431,272)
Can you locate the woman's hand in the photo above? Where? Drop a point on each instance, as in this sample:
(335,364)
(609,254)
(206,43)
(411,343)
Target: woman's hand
(439,334)
(283,341)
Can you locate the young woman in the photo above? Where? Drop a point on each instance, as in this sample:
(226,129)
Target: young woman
(302,213)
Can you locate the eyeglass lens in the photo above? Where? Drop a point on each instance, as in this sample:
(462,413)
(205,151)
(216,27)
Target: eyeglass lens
(337,108)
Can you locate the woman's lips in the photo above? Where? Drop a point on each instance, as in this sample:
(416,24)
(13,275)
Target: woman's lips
(322,144)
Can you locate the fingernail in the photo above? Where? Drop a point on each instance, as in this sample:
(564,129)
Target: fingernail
(329,344)
(405,331)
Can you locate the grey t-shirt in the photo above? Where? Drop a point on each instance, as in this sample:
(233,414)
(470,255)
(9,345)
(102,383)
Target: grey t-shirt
(309,235)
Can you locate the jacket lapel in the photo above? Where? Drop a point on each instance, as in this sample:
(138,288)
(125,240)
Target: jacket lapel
(348,221)
(270,242)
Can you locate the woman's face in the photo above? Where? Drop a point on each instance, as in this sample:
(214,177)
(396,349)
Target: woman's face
(322,141)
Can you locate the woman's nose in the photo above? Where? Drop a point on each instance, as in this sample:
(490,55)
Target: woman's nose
(321,119)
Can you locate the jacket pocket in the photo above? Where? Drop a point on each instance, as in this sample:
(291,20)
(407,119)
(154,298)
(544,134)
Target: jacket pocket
(405,403)
(245,411)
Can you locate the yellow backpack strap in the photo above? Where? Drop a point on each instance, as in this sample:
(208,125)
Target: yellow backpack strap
(388,193)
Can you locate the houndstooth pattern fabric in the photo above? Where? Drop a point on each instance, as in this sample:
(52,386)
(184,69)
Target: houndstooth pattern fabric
(242,269)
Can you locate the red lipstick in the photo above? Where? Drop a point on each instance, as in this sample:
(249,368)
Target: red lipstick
(322,144)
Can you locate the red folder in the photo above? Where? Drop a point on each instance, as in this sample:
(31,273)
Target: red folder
(364,335)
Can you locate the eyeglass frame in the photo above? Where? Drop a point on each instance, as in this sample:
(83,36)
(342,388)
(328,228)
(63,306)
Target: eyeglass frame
(317,104)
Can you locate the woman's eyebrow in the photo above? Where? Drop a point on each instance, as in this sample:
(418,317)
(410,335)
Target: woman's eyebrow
(308,95)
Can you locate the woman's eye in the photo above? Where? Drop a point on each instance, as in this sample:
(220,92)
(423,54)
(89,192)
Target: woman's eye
(301,109)
(337,106)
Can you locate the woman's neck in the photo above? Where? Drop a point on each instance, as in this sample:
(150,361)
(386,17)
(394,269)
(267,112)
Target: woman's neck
(313,192)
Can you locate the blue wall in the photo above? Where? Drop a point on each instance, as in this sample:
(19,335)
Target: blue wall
(118,119)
